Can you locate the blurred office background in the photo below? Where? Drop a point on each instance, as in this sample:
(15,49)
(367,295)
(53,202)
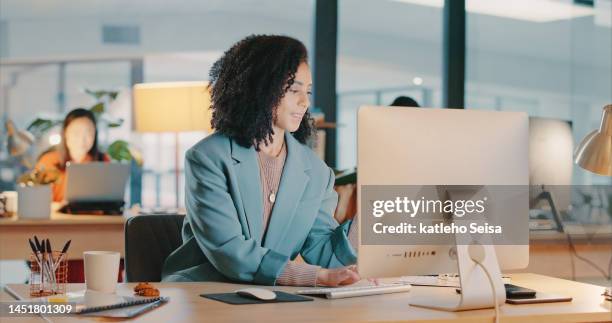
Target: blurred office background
(549,58)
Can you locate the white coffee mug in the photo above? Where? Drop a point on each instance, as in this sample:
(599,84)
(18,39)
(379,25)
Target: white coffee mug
(10,205)
(101,270)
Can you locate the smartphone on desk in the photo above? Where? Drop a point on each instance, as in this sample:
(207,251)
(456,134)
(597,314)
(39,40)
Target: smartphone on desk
(539,298)
(520,295)
(513,291)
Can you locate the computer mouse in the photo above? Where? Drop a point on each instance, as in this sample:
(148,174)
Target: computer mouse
(257,293)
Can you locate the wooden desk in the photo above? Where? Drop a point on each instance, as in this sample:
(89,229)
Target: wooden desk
(186,306)
(88,232)
(549,252)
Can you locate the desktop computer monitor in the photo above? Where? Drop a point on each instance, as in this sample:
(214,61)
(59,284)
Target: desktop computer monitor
(416,146)
(551,147)
(550,168)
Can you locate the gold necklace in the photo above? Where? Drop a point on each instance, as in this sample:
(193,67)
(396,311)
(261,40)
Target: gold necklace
(272,195)
(281,150)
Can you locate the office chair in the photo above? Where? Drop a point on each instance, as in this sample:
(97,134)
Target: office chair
(149,239)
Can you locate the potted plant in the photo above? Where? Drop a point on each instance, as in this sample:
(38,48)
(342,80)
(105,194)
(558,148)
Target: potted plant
(34,193)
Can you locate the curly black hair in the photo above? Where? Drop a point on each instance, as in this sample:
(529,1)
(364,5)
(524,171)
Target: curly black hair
(247,84)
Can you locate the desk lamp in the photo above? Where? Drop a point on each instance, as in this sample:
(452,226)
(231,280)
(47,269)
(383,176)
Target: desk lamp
(18,143)
(172,107)
(595,151)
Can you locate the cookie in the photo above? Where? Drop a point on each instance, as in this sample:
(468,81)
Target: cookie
(146,289)
(142,286)
(150,292)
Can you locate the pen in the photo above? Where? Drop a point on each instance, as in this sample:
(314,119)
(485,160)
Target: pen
(49,250)
(33,249)
(45,267)
(40,247)
(45,260)
(35,253)
(62,254)
(66,246)
(50,260)
(40,254)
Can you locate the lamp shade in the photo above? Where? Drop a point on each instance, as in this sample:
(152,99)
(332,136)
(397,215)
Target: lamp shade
(172,107)
(595,151)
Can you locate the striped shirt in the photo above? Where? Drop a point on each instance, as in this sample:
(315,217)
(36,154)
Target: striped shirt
(270,169)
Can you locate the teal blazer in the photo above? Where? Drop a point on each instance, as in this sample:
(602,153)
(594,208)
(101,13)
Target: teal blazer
(223,227)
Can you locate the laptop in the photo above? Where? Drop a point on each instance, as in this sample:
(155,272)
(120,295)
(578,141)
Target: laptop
(95,188)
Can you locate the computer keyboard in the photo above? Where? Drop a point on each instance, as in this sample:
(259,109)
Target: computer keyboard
(442,280)
(355,291)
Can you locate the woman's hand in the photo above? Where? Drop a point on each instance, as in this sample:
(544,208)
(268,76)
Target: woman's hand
(347,202)
(337,276)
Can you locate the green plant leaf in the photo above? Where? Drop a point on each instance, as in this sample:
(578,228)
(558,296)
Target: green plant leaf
(109,121)
(119,150)
(98,108)
(115,124)
(95,94)
(40,126)
(38,123)
(99,95)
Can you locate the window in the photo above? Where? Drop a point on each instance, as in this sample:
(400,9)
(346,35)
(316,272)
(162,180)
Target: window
(547,58)
(385,49)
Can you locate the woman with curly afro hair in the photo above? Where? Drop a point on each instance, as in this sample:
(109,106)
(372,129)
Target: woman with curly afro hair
(256,196)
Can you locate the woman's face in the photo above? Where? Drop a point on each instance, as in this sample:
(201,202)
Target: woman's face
(80,134)
(296,101)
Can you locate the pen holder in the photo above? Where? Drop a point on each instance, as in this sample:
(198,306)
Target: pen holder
(46,281)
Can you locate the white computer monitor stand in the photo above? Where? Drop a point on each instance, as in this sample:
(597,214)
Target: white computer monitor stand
(476,289)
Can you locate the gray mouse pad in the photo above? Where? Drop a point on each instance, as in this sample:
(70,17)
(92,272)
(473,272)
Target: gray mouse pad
(235,299)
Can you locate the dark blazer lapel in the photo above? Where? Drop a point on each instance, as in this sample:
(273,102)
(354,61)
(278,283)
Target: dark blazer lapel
(292,184)
(249,184)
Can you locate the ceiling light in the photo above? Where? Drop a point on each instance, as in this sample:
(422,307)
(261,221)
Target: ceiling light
(529,10)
